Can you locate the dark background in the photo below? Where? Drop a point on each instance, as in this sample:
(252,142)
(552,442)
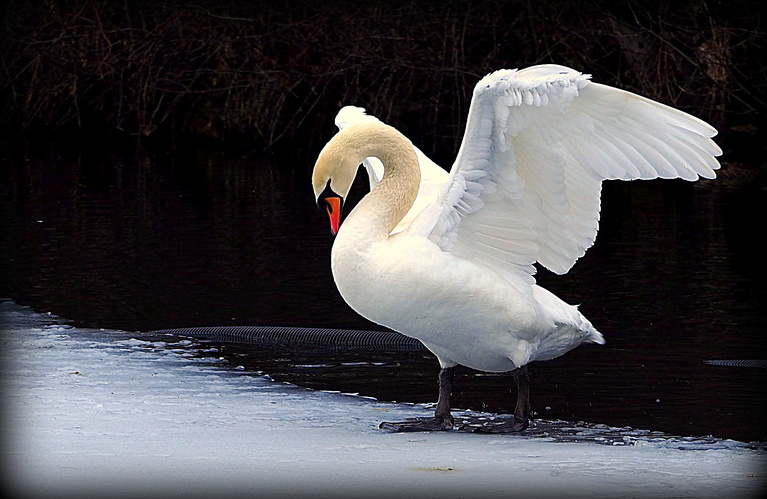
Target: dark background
(265,75)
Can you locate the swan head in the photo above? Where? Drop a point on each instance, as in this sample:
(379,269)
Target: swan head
(339,160)
(333,176)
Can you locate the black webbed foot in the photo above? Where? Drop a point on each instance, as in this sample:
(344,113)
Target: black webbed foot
(442,419)
(437,423)
(511,425)
(521,419)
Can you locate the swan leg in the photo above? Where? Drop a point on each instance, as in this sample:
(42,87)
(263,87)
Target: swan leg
(521,418)
(442,419)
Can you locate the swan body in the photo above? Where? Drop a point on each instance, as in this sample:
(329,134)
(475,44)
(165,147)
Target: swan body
(448,258)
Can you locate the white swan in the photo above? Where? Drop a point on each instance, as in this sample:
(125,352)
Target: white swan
(448,258)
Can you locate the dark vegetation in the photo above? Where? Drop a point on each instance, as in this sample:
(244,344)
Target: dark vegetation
(266,75)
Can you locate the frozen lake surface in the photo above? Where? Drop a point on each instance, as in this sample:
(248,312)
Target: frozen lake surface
(107,412)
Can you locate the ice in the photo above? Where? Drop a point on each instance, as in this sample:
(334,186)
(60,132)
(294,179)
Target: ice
(92,412)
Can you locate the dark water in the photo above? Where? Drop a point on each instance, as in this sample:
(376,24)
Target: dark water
(677,277)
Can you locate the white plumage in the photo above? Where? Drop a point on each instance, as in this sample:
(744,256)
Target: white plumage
(453,265)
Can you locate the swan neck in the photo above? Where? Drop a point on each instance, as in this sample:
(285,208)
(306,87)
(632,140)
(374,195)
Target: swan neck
(388,203)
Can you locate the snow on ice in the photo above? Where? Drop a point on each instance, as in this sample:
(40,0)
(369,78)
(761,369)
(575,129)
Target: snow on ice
(95,412)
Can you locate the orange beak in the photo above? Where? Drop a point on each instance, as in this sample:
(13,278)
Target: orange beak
(333,205)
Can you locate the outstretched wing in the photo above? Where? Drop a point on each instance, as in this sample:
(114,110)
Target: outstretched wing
(526,183)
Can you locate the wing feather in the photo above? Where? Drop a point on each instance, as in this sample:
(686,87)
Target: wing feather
(526,184)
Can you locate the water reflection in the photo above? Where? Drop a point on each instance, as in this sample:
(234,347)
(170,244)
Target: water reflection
(133,243)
